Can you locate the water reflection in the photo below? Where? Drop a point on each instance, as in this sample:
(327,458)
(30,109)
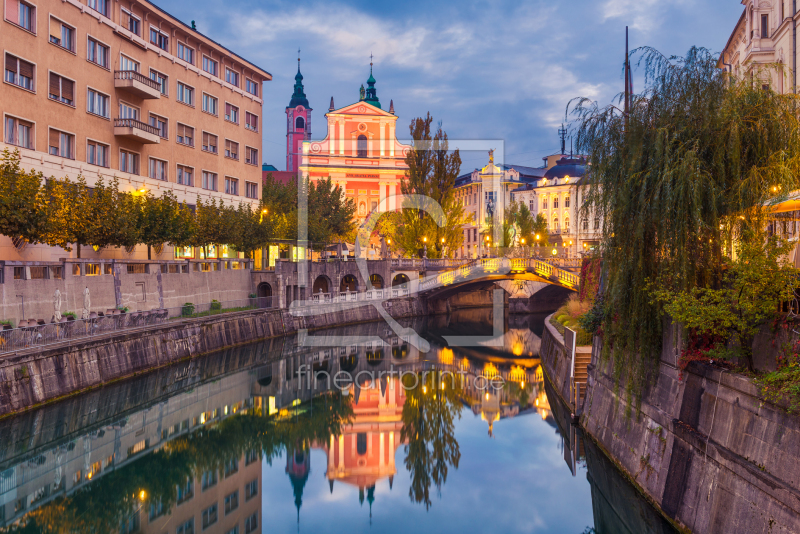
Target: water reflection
(183,449)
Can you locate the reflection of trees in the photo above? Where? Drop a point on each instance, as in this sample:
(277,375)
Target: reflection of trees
(428,421)
(521,393)
(104,504)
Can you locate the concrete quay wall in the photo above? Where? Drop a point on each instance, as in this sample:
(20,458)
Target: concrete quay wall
(31,378)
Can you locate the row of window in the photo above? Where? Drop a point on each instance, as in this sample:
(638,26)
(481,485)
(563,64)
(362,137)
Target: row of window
(21,73)
(20,133)
(23,14)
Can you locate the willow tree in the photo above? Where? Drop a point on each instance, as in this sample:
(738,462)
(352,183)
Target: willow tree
(692,165)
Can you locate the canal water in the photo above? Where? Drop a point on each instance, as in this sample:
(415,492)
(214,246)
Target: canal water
(346,430)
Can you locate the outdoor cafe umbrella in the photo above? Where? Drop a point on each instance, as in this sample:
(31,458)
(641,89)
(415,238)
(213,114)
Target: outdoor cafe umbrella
(86,304)
(57,306)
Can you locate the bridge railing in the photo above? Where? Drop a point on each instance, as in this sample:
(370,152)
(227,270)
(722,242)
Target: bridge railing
(352,296)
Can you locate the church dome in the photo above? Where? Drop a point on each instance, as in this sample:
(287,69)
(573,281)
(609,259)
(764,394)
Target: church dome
(572,167)
(299,95)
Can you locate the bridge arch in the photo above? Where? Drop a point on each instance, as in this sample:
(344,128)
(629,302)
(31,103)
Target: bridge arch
(376,281)
(349,283)
(264,294)
(400,279)
(322,284)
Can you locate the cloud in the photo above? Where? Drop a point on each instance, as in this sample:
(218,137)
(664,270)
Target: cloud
(646,14)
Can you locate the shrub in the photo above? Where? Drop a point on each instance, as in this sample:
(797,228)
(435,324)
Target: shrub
(252,296)
(188,309)
(215,305)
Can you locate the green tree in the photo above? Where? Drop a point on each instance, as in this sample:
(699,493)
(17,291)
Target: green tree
(429,413)
(671,179)
(330,213)
(432,171)
(163,221)
(751,291)
(22,200)
(540,228)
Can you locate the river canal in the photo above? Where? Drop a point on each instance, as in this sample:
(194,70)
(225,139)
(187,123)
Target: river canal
(345,430)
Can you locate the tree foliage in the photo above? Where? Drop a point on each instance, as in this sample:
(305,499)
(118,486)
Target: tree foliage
(675,182)
(751,291)
(432,172)
(22,200)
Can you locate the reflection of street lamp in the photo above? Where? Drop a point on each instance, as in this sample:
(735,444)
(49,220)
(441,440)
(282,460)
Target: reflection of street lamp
(263,212)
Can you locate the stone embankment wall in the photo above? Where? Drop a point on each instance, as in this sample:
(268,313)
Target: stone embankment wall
(38,376)
(705,448)
(145,287)
(557,364)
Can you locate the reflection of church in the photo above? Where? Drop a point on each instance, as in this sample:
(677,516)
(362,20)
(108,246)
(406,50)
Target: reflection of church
(360,151)
(364,452)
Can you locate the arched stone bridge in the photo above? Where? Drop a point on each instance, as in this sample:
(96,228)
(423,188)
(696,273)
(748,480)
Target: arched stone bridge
(312,283)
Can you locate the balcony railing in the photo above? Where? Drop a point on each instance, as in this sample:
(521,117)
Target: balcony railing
(138,77)
(136,124)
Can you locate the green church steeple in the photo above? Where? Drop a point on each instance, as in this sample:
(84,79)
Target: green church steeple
(299,95)
(371,94)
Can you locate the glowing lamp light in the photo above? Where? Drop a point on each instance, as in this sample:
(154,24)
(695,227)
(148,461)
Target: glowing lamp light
(555,251)
(522,384)
(264,211)
(142,191)
(523,240)
(388,241)
(443,384)
(487,396)
(538,237)
(142,495)
(442,240)
(424,239)
(424,389)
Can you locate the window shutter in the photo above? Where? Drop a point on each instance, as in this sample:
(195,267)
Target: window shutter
(189,133)
(205,139)
(55,29)
(125,20)
(55,86)
(67,89)
(11,63)
(227,110)
(181,131)
(54,138)
(212,142)
(25,69)
(12,11)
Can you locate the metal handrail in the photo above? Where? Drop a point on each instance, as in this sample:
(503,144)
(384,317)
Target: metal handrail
(137,76)
(139,125)
(28,334)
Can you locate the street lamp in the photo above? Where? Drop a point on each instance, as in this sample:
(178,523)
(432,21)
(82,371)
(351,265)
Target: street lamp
(424,239)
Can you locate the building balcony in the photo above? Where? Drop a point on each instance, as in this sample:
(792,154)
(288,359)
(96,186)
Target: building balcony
(137,131)
(137,84)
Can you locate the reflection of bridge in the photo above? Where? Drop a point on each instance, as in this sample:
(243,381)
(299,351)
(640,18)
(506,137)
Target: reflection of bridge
(315,283)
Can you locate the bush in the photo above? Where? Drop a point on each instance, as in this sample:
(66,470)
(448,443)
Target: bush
(123,309)
(70,314)
(187,309)
(215,305)
(252,296)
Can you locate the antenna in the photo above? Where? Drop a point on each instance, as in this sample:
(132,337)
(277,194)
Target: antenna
(562,133)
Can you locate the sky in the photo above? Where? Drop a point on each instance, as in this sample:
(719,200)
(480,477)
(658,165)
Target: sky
(494,70)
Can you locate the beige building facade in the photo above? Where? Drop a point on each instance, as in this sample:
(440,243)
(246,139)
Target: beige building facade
(122,88)
(764,35)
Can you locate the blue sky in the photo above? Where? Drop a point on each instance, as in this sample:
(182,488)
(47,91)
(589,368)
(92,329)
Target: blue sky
(487,69)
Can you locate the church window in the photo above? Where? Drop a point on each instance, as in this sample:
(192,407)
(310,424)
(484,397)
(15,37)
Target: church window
(362,146)
(300,123)
(361,443)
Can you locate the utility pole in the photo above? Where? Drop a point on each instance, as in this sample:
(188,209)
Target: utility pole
(627,80)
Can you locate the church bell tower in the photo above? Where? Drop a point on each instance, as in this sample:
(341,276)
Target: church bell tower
(298,122)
